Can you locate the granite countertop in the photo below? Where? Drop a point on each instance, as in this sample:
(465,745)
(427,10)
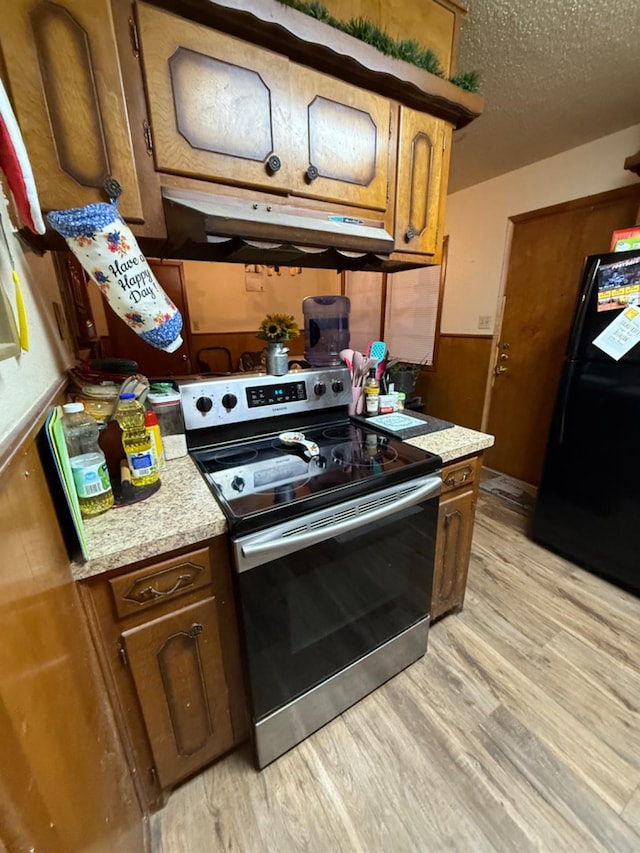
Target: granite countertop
(184,511)
(453,443)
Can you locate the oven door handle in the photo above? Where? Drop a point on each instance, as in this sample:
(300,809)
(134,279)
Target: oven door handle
(274,545)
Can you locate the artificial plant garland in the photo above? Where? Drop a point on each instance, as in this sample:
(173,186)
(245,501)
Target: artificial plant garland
(407,50)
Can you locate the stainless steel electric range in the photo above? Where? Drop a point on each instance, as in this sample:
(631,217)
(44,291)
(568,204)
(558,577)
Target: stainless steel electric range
(333,530)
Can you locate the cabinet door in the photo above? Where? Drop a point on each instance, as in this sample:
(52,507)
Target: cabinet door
(453,548)
(340,139)
(218,105)
(177,666)
(66,87)
(421,182)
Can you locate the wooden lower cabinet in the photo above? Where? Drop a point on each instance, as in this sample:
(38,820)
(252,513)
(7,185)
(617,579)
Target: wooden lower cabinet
(166,635)
(460,483)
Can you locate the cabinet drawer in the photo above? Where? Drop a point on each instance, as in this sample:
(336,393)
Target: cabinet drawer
(144,588)
(461,473)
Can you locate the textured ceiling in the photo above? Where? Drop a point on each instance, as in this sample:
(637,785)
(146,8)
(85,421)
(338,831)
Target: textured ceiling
(555,74)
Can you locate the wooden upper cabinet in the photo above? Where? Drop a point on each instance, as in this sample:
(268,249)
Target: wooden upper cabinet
(66,87)
(423,157)
(224,110)
(218,105)
(435,24)
(339,138)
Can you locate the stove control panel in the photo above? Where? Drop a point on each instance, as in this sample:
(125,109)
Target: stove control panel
(243,397)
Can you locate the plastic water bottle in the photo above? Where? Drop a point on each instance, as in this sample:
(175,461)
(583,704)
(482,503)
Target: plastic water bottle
(88,463)
(136,441)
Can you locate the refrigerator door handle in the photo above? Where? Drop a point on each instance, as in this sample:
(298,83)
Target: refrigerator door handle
(563,397)
(592,265)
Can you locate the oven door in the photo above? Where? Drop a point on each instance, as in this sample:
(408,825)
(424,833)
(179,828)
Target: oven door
(324,591)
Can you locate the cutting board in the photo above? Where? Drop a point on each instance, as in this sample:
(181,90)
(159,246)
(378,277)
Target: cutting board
(405,424)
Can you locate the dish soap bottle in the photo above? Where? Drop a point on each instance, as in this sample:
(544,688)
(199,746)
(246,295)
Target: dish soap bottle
(371,394)
(136,441)
(88,463)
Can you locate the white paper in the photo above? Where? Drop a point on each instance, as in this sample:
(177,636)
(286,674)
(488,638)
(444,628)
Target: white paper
(620,335)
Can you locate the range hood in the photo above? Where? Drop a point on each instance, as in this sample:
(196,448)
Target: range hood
(210,227)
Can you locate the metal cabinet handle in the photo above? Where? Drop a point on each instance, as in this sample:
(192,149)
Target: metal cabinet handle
(410,234)
(195,629)
(273,164)
(156,593)
(451,479)
(311,174)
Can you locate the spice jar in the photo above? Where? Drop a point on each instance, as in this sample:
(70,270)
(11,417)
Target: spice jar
(168,410)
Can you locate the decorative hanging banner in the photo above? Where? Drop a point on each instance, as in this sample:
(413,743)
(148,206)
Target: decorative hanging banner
(107,249)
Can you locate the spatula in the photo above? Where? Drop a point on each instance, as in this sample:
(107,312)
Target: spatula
(378,350)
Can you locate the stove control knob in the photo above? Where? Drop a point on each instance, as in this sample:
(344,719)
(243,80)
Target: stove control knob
(319,389)
(229,401)
(237,484)
(204,404)
(337,385)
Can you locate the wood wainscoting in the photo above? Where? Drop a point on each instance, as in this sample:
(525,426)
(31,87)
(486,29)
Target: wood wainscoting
(236,343)
(454,389)
(65,783)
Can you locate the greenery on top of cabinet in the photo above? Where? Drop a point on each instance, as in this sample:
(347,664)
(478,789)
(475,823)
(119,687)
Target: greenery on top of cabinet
(407,50)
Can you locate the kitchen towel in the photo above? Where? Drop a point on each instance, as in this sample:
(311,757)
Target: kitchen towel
(15,164)
(105,246)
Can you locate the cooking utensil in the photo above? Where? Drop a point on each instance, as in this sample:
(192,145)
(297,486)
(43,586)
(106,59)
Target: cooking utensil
(23,327)
(378,350)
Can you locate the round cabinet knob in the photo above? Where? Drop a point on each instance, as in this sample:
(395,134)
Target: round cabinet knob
(273,164)
(311,174)
(337,385)
(204,404)
(229,401)
(411,233)
(237,484)
(319,389)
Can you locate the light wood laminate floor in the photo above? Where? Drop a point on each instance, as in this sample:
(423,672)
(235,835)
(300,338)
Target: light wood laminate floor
(519,730)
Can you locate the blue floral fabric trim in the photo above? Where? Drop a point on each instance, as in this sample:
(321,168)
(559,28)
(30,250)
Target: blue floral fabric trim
(83,221)
(164,334)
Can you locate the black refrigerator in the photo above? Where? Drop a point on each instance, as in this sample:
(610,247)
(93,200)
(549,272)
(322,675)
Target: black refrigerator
(588,506)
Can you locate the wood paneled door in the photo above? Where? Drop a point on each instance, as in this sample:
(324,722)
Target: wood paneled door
(543,279)
(423,143)
(225,110)
(66,86)
(339,139)
(218,105)
(176,663)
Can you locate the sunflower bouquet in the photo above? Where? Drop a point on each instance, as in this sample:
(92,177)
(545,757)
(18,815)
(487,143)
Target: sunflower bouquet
(278,327)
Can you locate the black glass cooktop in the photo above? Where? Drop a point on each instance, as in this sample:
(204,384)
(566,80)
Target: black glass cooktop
(261,481)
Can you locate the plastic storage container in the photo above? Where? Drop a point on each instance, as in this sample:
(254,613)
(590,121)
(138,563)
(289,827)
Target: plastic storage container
(136,441)
(326,329)
(169,413)
(88,463)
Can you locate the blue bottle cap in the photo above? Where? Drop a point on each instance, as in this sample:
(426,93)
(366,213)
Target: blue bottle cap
(128,395)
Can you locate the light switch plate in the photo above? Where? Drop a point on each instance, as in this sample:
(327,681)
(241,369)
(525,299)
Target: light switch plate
(484,321)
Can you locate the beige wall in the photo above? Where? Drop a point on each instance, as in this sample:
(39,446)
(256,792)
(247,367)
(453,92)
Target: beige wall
(478,220)
(223,298)
(27,380)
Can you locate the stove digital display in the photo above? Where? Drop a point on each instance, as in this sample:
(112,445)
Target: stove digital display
(273,395)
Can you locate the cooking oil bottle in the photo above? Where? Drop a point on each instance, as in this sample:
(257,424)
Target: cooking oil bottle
(88,463)
(136,441)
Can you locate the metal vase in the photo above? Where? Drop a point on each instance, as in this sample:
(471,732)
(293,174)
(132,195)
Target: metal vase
(277,358)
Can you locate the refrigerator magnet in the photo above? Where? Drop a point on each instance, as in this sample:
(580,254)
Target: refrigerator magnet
(620,335)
